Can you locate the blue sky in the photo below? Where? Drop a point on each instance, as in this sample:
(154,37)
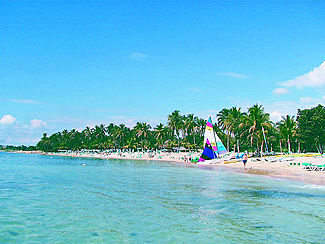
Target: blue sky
(67,64)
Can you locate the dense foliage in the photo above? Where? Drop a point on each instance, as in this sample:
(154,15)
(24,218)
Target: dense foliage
(17,148)
(311,128)
(252,130)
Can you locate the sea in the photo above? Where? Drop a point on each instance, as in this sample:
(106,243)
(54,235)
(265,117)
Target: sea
(52,199)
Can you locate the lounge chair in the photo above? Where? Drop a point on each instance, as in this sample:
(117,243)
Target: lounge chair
(313,167)
(319,167)
(323,167)
(306,166)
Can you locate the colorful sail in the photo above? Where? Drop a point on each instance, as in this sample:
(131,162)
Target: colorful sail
(208,153)
(209,135)
(221,148)
(214,139)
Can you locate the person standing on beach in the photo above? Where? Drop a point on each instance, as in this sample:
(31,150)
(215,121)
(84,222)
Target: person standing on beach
(245,160)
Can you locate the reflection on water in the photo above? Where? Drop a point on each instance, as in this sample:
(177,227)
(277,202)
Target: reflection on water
(56,199)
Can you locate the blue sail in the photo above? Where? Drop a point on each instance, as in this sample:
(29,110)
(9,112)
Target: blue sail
(208,153)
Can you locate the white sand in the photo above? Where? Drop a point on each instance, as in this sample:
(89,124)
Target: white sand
(283,169)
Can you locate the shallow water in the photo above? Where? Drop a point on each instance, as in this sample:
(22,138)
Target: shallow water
(55,199)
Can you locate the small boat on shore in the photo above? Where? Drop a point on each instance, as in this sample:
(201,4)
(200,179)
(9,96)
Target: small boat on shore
(214,151)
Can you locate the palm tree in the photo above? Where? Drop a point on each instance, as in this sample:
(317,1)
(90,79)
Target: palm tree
(288,129)
(200,129)
(175,121)
(86,134)
(120,133)
(190,125)
(142,130)
(110,129)
(160,134)
(253,122)
(224,122)
(229,120)
(43,144)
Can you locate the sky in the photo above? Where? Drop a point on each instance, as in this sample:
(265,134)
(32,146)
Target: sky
(72,64)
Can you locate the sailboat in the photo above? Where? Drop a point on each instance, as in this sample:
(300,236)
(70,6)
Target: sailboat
(213,146)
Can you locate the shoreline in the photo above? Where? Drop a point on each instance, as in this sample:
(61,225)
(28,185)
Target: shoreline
(275,170)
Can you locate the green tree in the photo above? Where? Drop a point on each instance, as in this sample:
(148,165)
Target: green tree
(175,122)
(311,128)
(287,128)
(190,127)
(142,131)
(224,121)
(160,134)
(200,129)
(252,125)
(120,133)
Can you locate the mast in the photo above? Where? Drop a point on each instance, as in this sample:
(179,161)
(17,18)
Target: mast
(215,141)
(267,149)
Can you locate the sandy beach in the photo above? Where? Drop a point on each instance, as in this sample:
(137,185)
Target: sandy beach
(282,169)
(288,168)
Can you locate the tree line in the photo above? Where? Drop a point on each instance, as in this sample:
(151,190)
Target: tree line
(251,130)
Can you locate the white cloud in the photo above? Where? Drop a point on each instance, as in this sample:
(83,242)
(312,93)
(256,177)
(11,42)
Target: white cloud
(276,116)
(314,78)
(36,123)
(234,75)
(25,140)
(281,108)
(280,91)
(19,134)
(305,99)
(24,101)
(7,119)
(138,56)
(310,101)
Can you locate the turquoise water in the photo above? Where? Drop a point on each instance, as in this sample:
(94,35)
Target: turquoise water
(47,199)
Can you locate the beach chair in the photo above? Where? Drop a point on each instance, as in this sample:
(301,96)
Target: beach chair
(306,166)
(319,167)
(316,167)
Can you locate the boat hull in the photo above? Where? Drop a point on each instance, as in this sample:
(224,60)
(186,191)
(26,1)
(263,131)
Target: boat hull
(211,162)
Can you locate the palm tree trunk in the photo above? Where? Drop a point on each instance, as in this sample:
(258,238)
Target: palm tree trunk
(289,147)
(257,147)
(280,146)
(178,141)
(238,146)
(228,141)
(194,141)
